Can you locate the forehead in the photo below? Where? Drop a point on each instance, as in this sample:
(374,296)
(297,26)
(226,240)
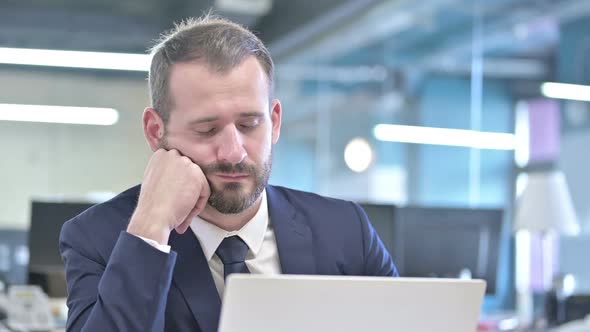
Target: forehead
(196,83)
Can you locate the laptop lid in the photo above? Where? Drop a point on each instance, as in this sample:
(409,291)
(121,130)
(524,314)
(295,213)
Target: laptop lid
(290,303)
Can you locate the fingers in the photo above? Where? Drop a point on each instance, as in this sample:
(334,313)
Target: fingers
(199,207)
(201,203)
(178,153)
(180,229)
(203,194)
(172,170)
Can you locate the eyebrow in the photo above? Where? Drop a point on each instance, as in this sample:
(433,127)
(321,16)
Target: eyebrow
(215,118)
(202,120)
(251,114)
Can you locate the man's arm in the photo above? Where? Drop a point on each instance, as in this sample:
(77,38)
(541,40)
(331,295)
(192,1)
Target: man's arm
(128,290)
(378,261)
(129,293)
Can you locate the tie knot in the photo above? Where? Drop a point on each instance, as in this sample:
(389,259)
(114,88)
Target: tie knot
(232,250)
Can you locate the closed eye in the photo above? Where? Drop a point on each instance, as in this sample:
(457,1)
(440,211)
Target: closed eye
(249,124)
(207,132)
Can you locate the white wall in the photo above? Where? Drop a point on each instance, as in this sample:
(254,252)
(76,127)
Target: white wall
(49,160)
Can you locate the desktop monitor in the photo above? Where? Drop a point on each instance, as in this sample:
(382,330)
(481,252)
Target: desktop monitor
(440,242)
(46,267)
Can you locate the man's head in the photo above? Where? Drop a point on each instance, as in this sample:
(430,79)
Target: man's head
(217,42)
(211,85)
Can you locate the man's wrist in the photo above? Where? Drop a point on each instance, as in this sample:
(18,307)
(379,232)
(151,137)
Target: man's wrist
(162,247)
(149,227)
(160,237)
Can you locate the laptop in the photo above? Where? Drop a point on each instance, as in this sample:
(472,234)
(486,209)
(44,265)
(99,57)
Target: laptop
(296,303)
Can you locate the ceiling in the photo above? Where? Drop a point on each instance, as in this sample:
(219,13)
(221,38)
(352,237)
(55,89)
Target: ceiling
(518,37)
(440,34)
(375,43)
(132,25)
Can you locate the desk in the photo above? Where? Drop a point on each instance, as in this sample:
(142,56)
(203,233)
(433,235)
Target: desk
(59,309)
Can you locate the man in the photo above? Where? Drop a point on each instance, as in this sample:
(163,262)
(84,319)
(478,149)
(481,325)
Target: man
(155,257)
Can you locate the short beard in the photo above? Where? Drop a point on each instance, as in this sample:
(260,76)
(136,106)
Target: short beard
(231,199)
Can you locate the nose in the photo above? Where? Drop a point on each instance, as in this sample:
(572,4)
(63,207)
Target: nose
(231,146)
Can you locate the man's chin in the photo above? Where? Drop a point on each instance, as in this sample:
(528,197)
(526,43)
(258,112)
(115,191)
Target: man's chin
(232,200)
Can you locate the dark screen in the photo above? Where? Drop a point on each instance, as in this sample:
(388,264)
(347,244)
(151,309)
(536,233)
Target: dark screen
(45,265)
(440,242)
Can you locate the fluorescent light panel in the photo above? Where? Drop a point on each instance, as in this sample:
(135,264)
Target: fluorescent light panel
(566,91)
(444,136)
(75,59)
(59,114)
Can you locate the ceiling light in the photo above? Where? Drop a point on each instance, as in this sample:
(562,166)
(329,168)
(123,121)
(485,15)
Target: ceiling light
(358,155)
(444,136)
(75,59)
(566,91)
(58,114)
(245,7)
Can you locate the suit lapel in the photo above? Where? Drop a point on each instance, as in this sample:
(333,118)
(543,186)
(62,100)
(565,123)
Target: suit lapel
(293,235)
(193,278)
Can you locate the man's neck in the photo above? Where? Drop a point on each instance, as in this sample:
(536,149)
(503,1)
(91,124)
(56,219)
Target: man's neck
(230,222)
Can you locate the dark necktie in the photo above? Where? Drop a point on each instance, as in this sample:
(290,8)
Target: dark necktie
(232,251)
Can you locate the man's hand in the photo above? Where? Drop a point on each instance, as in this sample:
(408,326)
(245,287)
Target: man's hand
(173,192)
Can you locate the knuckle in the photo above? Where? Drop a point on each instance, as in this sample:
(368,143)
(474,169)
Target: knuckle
(185,160)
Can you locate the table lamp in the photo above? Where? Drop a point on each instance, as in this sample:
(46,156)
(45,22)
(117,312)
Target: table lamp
(544,211)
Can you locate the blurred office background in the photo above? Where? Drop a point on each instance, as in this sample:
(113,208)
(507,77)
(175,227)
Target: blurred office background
(345,70)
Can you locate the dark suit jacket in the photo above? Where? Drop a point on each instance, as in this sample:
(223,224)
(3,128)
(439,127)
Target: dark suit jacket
(118,282)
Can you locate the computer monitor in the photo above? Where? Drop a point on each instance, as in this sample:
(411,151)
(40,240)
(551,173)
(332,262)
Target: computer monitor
(441,242)
(46,267)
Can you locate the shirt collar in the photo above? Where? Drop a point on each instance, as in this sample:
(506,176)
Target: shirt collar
(210,236)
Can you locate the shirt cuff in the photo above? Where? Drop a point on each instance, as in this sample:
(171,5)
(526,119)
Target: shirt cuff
(162,247)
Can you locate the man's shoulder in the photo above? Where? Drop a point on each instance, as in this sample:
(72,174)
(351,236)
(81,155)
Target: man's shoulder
(312,201)
(306,195)
(113,214)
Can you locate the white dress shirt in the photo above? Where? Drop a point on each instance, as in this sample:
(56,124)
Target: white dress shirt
(258,234)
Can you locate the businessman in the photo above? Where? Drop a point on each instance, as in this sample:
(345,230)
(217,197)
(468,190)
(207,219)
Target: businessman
(155,257)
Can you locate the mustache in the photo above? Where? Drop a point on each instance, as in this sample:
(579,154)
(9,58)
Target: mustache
(228,168)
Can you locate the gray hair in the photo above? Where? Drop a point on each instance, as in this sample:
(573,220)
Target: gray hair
(220,43)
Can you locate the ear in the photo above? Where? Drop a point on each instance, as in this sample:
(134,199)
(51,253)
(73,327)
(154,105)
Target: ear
(275,117)
(153,128)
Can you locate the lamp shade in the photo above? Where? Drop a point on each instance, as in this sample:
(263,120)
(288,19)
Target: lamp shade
(546,205)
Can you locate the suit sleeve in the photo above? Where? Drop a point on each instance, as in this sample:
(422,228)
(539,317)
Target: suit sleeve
(127,293)
(378,261)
